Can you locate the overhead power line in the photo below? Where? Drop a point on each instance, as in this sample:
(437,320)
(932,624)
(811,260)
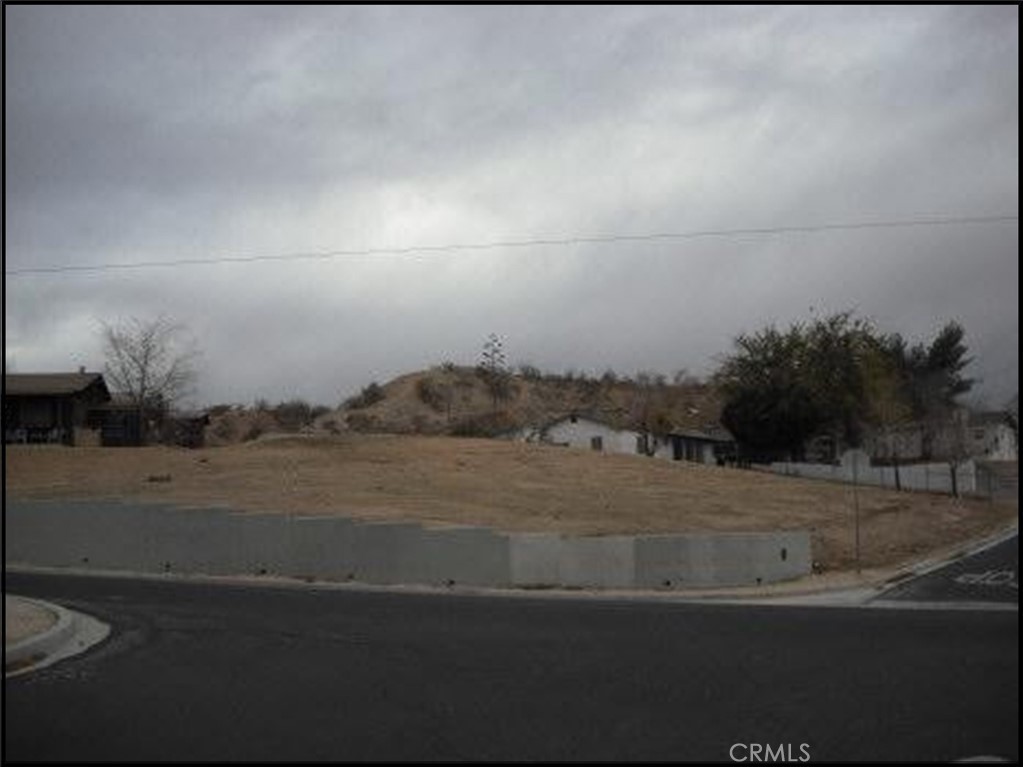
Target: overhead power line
(539,242)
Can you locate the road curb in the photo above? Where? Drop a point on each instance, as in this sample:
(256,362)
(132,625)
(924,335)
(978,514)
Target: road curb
(73,633)
(45,642)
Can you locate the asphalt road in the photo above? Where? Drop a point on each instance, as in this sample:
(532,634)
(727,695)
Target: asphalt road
(198,671)
(991,575)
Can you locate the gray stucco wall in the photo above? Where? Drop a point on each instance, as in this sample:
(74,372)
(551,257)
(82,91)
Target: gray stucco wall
(214,541)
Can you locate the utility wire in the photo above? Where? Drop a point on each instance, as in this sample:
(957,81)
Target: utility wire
(552,242)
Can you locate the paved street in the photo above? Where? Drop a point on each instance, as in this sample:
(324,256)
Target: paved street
(988,576)
(198,671)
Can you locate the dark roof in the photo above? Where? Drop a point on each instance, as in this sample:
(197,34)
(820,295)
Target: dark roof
(120,401)
(987,418)
(609,419)
(51,384)
(713,433)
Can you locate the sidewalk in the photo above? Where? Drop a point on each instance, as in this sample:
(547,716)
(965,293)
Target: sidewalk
(23,619)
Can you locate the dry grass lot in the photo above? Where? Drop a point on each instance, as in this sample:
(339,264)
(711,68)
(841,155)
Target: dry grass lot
(508,486)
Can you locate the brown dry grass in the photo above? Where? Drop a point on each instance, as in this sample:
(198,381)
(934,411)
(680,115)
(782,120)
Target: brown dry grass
(509,486)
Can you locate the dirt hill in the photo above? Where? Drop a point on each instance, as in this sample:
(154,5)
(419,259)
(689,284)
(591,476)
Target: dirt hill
(461,401)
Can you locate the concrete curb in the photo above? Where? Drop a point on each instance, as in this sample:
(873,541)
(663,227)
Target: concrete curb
(46,642)
(73,633)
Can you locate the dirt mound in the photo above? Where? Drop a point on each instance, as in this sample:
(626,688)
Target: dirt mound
(465,401)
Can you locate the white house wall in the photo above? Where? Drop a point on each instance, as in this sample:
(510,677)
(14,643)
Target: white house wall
(581,433)
(992,442)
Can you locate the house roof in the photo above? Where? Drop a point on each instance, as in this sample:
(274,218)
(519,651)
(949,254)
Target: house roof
(710,434)
(51,384)
(604,419)
(987,418)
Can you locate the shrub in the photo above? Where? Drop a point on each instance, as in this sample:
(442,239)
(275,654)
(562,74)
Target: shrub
(484,425)
(433,394)
(293,415)
(361,422)
(223,430)
(370,395)
(530,372)
(254,431)
(588,388)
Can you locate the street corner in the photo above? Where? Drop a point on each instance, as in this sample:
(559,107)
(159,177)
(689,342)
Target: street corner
(987,576)
(38,634)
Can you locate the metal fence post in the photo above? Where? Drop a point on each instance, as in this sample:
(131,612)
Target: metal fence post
(856,507)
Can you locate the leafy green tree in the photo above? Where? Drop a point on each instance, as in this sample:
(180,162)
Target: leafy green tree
(836,352)
(933,378)
(838,376)
(889,406)
(770,407)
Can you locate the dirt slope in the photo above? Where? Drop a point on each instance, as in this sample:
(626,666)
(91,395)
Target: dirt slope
(507,486)
(456,400)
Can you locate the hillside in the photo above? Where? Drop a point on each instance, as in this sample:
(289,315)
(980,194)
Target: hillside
(508,486)
(458,401)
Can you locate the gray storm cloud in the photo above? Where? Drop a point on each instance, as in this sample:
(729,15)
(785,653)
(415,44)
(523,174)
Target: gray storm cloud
(137,134)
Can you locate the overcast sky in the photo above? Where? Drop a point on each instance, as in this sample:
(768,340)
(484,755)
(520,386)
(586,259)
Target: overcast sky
(140,134)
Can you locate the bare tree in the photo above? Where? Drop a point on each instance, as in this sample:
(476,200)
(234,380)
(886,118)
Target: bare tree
(150,363)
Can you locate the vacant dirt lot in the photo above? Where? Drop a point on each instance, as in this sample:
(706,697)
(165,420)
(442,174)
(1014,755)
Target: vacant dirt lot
(509,486)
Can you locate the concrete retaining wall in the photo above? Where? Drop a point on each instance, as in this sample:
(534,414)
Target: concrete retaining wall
(728,559)
(214,541)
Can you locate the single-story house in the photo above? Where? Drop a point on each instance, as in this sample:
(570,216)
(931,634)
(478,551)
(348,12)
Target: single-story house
(584,431)
(120,424)
(52,407)
(989,437)
(985,435)
(118,421)
(711,445)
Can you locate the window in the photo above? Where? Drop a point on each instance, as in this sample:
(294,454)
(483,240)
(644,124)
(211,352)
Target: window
(38,412)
